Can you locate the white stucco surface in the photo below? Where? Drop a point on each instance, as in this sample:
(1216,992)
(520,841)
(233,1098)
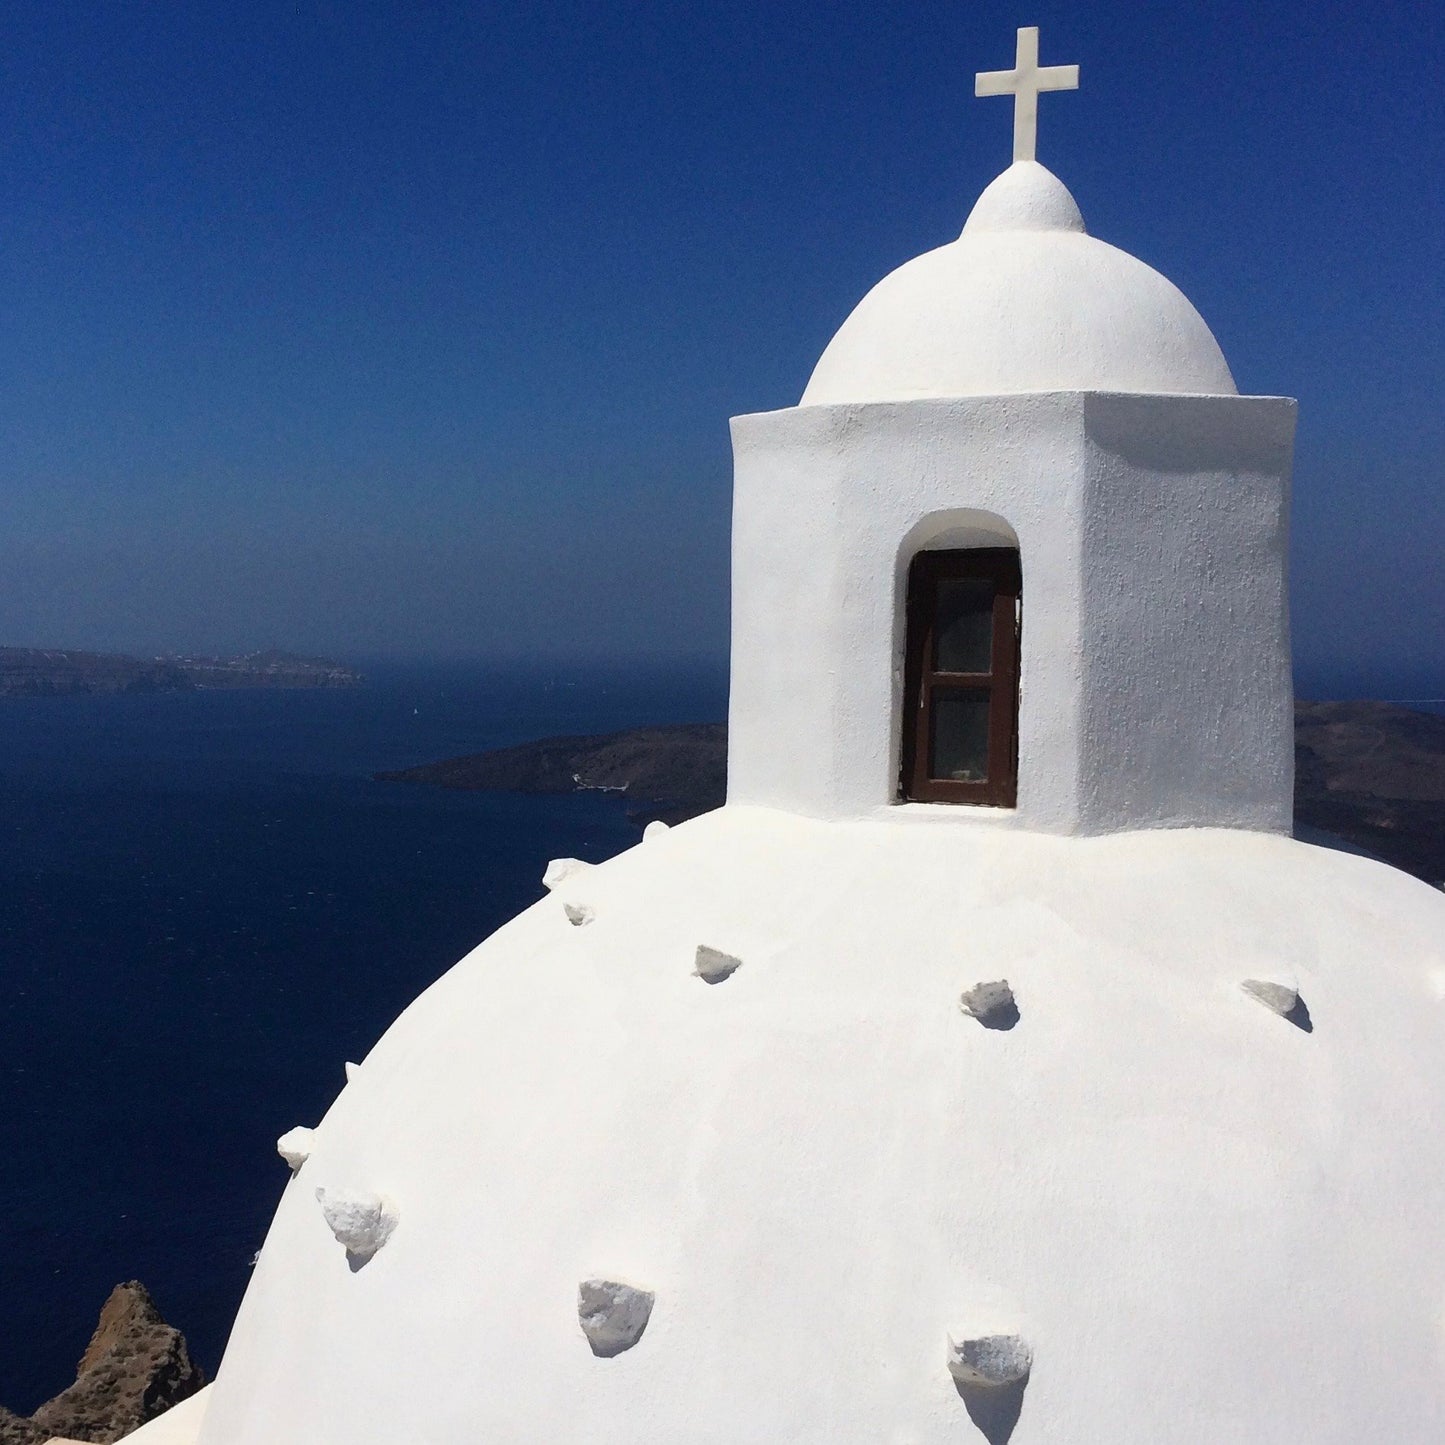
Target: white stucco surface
(1203,1223)
(1153,536)
(1024,300)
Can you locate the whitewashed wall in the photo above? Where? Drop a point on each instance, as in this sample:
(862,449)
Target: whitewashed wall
(1153,534)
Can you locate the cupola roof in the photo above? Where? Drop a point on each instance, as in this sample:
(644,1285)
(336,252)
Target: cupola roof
(1024,301)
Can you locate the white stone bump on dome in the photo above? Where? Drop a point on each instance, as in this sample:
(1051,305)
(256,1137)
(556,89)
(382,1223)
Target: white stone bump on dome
(1025,82)
(613,1315)
(1281,998)
(559,870)
(992,1004)
(295,1146)
(712,965)
(361,1221)
(990,1362)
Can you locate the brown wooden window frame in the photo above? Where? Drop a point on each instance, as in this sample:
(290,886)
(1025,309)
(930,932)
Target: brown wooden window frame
(922,680)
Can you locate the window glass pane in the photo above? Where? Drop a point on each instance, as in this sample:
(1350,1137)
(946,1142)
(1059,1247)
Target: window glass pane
(958,749)
(963,631)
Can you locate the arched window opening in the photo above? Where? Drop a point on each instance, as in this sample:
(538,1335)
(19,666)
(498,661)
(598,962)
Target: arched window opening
(961,677)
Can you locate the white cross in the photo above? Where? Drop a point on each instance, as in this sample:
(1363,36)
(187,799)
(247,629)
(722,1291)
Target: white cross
(1024,82)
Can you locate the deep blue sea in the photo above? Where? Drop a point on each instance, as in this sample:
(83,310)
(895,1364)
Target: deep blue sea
(206,907)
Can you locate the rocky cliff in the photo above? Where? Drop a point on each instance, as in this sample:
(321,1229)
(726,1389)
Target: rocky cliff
(664,772)
(135,1368)
(1373,774)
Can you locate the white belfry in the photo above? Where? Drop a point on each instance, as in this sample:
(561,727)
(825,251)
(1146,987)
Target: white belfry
(1024,82)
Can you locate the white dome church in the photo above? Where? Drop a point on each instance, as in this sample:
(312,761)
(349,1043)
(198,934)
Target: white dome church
(994,1065)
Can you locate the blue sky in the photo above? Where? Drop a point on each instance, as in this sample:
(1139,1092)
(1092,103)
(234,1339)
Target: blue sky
(414,329)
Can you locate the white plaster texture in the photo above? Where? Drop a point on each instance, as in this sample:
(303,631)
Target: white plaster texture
(826,1171)
(1024,300)
(1153,535)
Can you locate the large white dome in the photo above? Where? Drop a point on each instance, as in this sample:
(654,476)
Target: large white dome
(1023,301)
(1207,1223)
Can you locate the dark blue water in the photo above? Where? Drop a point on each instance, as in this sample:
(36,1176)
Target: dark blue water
(206,907)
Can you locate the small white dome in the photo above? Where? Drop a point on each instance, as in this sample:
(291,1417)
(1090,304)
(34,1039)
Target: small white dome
(1023,301)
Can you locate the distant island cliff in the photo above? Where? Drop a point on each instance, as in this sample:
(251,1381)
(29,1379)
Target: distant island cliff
(1370,773)
(58,672)
(670,773)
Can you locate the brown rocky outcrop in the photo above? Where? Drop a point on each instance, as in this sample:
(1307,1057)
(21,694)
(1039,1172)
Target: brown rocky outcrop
(16,1430)
(135,1368)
